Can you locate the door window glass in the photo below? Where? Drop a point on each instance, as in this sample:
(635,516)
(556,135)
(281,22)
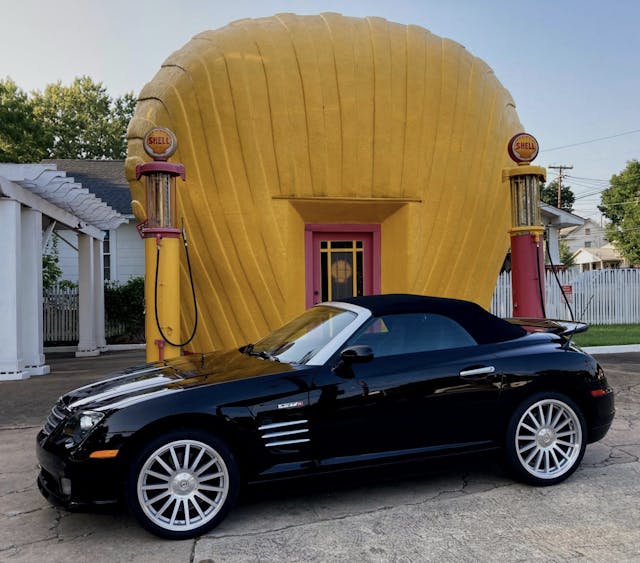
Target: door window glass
(341,268)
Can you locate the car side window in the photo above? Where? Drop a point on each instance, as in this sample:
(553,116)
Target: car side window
(392,335)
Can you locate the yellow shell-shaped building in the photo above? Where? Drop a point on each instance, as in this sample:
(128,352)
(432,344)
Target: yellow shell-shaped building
(329,154)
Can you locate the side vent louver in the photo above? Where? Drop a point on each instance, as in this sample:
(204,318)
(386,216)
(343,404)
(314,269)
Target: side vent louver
(284,433)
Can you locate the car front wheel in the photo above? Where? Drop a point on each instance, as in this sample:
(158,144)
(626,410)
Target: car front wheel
(182,484)
(546,439)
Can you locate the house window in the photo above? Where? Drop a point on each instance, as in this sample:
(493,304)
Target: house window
(106,253)
(587,244)
(587,232)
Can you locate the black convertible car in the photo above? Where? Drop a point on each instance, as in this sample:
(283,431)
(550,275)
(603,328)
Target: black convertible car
(363,381)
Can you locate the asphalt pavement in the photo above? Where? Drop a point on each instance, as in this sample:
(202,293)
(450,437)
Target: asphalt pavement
(464,510)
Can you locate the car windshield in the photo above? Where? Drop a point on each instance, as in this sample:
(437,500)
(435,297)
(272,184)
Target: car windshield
(299,340)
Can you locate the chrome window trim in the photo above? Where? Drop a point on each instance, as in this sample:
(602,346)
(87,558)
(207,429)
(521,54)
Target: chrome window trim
(362,315)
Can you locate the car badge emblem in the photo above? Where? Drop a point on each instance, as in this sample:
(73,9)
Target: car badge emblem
(291,405)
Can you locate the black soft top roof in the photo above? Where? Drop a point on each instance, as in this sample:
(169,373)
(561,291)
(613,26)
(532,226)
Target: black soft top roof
(482,325)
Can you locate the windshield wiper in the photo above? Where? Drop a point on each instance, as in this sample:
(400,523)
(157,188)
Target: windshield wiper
(267,356)
(248,349)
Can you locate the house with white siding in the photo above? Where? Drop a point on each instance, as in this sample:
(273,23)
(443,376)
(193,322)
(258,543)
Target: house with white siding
(588,235)
(123,248)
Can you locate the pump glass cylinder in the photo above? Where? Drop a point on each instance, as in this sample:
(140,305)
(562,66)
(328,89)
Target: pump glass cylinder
(525,200)
(161,208)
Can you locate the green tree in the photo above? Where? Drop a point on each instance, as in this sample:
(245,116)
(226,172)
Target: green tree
(566,256)
(83,120)
(621,205)
(51,272)
(549,194)
(22,136)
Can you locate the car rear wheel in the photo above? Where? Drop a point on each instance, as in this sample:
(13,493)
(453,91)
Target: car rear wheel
(182,484)
(546,439)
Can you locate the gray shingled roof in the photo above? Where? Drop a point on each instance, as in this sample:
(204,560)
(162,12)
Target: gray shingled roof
(103,178)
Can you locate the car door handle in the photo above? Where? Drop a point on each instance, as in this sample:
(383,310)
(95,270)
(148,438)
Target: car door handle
(477,373)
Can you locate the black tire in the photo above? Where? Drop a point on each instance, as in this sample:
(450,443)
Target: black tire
(178,498)
(546,439)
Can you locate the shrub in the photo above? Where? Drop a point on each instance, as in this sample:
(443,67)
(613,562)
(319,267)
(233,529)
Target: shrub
(124,310)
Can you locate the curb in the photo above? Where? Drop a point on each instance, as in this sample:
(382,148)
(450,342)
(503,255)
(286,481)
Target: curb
(621,349)
(109,348)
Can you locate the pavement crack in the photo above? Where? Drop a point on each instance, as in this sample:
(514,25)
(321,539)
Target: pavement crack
(617,456)
(16,491)
(16,547)
(15,513)
(436,497)
(192,556)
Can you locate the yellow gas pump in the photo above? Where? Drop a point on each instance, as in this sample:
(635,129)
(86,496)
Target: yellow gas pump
(162,246)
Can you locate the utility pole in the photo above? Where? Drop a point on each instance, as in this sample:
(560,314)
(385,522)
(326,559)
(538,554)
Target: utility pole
(561,168)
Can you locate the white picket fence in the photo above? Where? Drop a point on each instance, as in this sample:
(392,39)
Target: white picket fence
(60,314)
(597,297)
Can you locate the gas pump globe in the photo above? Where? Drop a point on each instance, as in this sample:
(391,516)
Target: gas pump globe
(161,234)
(527,232)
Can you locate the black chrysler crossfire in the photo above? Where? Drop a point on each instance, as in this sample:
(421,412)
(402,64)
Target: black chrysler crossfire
(364,381)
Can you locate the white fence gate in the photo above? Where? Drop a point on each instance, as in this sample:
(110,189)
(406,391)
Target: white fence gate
(60,314)
(597,297)
(60,319)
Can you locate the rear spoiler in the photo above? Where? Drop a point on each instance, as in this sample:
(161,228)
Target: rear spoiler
(564,328)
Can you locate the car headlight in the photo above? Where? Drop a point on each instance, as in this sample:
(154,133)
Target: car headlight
(80,425)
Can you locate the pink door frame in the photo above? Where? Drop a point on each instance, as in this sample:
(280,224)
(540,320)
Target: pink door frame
(352,230)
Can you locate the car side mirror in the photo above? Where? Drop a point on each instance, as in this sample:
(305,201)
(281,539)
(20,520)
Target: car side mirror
(352,355)
(357,354)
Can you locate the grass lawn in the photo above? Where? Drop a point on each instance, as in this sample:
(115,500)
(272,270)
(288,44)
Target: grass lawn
(607,335)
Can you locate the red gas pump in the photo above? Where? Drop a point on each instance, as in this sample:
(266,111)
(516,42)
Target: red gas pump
(527,232)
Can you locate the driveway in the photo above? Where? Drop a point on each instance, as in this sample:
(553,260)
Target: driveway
(467,510)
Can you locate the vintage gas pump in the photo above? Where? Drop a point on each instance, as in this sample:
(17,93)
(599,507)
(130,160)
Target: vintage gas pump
(527,232)
(162,246)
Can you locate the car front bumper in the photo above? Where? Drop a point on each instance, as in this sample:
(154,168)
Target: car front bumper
(68,482)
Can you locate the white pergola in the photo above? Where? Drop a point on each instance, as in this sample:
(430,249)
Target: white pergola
(554,220)
(29,193)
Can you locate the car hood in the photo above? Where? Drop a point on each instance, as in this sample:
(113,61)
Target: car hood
(150,380)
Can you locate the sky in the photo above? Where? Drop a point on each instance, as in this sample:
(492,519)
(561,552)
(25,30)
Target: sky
(572,66)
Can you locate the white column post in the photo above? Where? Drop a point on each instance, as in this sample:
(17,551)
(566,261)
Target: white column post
(553,244)
(30,306)
(98,281)
(11,362)
(87,345)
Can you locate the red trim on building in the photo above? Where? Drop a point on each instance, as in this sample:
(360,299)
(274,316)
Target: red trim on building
(372,247)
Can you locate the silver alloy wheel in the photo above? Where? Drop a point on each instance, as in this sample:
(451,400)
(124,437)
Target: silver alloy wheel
(183,485)
(548,439)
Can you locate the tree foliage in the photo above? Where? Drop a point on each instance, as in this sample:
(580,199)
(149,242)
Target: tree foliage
(621,205)
(51,271)
(549,194)
(124,306)
(22,135)
(566,255)
(76,121)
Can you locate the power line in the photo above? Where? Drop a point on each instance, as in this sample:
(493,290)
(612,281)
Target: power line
(561,168)
(591,141)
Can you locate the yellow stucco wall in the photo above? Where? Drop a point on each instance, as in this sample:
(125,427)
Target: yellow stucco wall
(289,120)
